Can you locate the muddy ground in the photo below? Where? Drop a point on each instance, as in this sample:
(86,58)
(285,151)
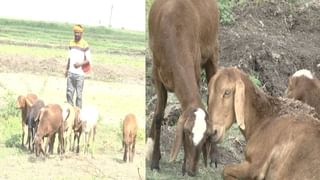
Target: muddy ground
(270,40)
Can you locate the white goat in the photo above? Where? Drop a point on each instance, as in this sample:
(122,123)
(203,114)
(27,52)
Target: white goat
(89,118)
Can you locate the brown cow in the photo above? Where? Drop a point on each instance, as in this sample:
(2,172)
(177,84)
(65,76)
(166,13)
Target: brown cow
(282,134)
(24,103)
(50,122)
(305,87)
(183,39)
(129,132)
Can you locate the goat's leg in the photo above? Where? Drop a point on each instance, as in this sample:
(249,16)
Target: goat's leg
(130,152)
(125,154)
(85,142)
(74,140)
(24,131)
(70,141)
(155,131)
(32,139)
(211,65)
(22,135)
(29,138)
(52,139)
(93,139)
(133,149)
(49,139)
(214,154)
(78,142)
(205,149)
(237,171)
(61,140)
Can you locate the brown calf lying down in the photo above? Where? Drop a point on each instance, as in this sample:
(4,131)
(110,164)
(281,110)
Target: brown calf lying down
(305,87)
(25,106)
(50,122)
(283,135)
(129,132)
(183,39)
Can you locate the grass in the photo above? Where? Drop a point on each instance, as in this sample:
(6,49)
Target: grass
(174,171)
(59,34)
(50,40)
(113,100)
(42,52)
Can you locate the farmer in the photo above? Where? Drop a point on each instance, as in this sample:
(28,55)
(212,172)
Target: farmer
(78,64)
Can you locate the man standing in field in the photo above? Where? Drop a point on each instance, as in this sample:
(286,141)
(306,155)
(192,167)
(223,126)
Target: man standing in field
(78,64)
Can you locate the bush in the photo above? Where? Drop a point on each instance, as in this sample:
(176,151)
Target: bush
(8,108)
(225,9)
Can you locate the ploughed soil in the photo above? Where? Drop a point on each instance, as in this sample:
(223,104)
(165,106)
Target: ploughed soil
(270,40)
(56,67)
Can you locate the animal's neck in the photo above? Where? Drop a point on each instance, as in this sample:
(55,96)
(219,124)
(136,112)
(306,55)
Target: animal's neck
(260,109)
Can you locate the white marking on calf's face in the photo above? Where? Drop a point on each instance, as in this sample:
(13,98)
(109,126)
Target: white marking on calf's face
(149,148)
(199,127)
(303,72)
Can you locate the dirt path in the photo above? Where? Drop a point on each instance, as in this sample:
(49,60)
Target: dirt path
(72,166)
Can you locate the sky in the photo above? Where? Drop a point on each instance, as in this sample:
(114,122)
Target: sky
(127,14)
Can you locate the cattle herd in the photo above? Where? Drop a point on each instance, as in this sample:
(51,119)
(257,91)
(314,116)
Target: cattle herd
(282,133)
(69,122)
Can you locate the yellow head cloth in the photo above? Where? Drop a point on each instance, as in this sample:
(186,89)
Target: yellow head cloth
(77,28)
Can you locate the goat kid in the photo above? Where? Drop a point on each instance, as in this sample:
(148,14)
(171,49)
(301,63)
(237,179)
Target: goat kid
(129,132)
(282,138)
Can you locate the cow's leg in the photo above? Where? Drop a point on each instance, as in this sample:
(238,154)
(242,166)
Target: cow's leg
(155,131)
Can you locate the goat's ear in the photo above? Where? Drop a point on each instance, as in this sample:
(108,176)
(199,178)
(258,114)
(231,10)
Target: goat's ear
(28,102)
(178,138)
(239,103)
(21,101)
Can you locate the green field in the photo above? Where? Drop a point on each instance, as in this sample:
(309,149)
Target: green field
(58,35)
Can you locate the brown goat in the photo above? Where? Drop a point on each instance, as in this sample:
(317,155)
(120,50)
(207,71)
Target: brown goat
(129,133)
(32,121)
(50,122)
(24,103)
(282,138)
(183,39)
(304,87)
